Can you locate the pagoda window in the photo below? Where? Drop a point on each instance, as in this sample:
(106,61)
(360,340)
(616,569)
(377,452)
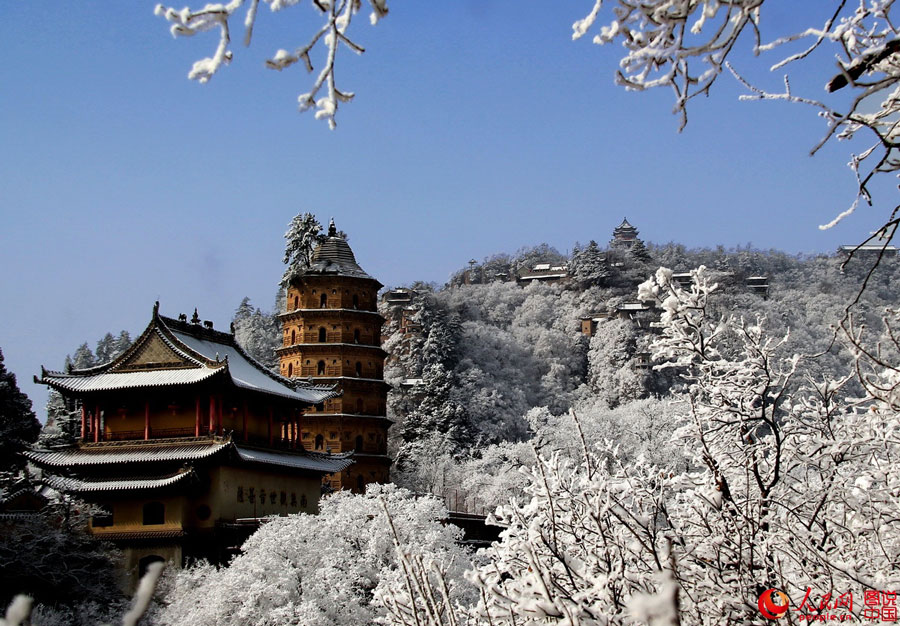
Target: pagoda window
(283,499)
(360,483)
(296,302)
(355,301)
(356,335)
(320,368)
(154,513)
(290,369)
(322,335)
(358,368)
(293,336)
(323,301)
(302,501)
(359,443)
(320,442)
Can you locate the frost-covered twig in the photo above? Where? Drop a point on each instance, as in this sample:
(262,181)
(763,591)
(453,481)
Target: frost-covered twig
(338,15)
(666,39)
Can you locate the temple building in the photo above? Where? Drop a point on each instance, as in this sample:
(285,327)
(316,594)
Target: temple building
(332,335)
(186,442)
(624,235)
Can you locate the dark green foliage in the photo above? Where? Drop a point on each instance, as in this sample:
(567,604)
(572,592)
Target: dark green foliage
(19,426)
(49,556)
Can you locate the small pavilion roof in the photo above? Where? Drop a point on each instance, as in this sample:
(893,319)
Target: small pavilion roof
(175,352)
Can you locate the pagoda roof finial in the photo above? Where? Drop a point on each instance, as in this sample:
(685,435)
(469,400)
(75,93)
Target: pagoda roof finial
(332,229)
(196,318)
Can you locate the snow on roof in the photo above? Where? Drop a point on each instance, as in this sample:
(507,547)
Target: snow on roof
(334,257)
(79,485)
(134,452)
(325,463)
(633,306)
(129,380)
(541,267)
(250,375)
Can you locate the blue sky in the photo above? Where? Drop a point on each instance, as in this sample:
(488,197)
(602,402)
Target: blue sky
(479,127)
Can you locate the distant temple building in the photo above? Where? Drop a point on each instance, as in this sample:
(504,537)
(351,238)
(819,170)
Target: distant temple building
(624,235)
(332,334)
(186,442)
(544,273)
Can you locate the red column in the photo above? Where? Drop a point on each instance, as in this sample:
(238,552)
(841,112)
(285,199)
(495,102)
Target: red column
(244,410)
(197,416)
(96,423)
(83,422)
(219,403)
(270,426)
(212,413)
(146,420)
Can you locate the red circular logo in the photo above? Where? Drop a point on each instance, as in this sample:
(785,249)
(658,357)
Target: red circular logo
(773,603)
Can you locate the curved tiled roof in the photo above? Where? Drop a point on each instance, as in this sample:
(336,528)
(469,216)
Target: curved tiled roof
(327,463)
(247,373)
(81,485)
(128,380)
(333,257)
(134,452)
(201,354)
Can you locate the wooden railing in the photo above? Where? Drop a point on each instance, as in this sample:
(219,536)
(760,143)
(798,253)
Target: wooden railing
(155,433)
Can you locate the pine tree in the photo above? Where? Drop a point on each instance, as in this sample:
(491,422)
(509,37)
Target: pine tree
(303,235)
(639,252)
(106,348)
(18,425)
(63,425)
(257,333)
(83,358)
(589,266)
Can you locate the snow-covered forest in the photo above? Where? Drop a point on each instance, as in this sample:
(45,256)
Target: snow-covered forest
(717,435)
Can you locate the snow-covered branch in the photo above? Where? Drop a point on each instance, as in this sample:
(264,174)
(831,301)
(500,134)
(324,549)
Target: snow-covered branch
(337,15)
(685,44)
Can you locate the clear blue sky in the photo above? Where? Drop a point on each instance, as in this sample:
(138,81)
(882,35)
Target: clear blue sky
(479,127)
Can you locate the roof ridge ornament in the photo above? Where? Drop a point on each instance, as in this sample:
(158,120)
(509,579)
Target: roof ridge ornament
(332,229)
(196,318)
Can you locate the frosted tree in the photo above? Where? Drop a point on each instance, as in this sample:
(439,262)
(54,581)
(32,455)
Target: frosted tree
(82,358)
(685,46)
(611,367)
(789,486)
(319,570)
(588,266)
(257,333)
(63,425)
(304,233)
